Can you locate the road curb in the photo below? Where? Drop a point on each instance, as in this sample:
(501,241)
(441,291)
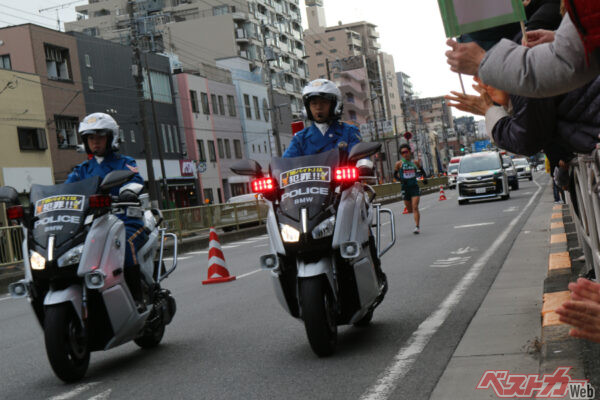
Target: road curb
(558,348)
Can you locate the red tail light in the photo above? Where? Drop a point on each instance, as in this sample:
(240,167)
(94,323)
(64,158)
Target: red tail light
(15,212)
(346,174)
(100,201)
(263,185)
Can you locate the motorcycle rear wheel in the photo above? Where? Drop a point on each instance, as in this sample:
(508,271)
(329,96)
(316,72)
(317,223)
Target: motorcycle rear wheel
(318,313)
(151,338)
(67,349)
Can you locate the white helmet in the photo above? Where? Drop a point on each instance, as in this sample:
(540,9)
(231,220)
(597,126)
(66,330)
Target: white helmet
(327,89)
(100,124)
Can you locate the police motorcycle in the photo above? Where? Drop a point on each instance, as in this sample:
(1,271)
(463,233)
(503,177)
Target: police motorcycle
(74,252)
(323,253)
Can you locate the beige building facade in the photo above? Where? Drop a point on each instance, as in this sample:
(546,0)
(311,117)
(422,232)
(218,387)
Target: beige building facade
(24,154)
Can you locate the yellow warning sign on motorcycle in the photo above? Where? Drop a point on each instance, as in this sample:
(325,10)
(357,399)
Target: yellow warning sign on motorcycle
(305,174)
(63,203)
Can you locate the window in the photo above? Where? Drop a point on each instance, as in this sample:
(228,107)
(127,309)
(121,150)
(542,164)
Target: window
(220,10)
(319,53)
(221,106)
(170,137)
(213,99)
(350,97)
(247,106)
(208,195)
(266,110)
(5,61)
(237,147)
(320,65)
(201,151)
(220,147)
(194,101)
(164,138)
(161,87)
(176,138)
(66,131)
(204,98)
(90,82)
(331,39)
(32,138)
(253,149)
(132,136)
(88,62)
(57,62)
(227,148)
(317,41)
(256,107)
(211,151)
(333,51)
(352,115)
(231,105)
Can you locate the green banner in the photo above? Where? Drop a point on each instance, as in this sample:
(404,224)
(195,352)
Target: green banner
(465,16)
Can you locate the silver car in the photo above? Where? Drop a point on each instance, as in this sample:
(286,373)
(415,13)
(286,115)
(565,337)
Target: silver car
(524,170)
(481,176)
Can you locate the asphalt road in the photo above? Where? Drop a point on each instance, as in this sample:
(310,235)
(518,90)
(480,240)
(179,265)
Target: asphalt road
(234,341)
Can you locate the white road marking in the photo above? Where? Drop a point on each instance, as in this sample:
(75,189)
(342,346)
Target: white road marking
(450,262)
(527,193)
(198,252)
(464,250)
(178,258)
(102,396)
(4,298)
(423,208)
(262,245)
(474,225)
(409,353)
(230,246)
(75,392)
(248,274)
(511,209)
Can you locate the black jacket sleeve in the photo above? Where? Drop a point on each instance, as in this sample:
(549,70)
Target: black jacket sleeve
(532,123)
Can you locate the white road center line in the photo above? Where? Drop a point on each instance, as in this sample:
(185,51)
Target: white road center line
(75,392)
(248,274)
(4,298)
(474,225)
(230,246)
(102,396)
(409,353)
(198,252)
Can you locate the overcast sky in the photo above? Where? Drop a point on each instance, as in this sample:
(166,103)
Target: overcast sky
(411,31)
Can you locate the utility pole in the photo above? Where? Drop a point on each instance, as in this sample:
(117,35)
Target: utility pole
(267,67)
(139,80)
(165,186)
(328,70)
(396,136)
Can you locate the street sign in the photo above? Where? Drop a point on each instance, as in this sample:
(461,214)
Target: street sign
(408,135)
(481,145)
(201,167)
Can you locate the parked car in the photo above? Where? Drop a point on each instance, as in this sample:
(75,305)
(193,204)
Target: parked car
(511,172)
(523,168)
(247,211)
(452,175)
(481,176)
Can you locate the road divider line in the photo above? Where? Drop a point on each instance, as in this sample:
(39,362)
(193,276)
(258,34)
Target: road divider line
(248,274)
(474,225)
(102,396)
(408,354)
(75,392)
(4,298)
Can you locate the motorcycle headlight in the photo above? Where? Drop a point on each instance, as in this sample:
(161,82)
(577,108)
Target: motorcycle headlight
(36,261)
(71,257)
(289,234)
(324,229)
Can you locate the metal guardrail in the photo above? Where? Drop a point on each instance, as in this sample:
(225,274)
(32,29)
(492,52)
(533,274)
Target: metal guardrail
(584,205)
(11,250)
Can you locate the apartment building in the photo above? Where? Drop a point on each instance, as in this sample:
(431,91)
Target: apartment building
(53,57)
(200,31)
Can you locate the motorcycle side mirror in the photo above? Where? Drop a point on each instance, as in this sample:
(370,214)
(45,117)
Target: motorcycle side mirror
(247,167)
(9,195)
(115,178)
(363,150)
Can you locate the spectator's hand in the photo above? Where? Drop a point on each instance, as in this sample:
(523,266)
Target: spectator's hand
(537,37)
(583,310)
(526,3)
(478,105)
(464,57)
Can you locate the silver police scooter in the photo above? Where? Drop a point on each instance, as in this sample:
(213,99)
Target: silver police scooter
(74,252)
(324,256)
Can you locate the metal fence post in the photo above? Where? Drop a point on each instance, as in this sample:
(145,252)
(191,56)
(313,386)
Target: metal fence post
(235,215)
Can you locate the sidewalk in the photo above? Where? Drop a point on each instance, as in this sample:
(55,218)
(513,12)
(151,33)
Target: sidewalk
(506,333)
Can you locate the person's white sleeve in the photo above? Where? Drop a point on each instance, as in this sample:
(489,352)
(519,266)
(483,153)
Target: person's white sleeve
(492,116)
(545,70)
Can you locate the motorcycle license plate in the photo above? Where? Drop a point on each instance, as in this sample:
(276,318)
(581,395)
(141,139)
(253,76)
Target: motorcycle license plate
(480,191)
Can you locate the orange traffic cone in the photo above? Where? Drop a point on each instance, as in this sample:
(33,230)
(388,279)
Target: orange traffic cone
(216,261)
(442,194)
(405,211)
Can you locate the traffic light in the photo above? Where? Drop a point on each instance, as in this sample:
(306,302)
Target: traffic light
(462,149)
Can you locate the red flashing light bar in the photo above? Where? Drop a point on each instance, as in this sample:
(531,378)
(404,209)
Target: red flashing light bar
(15,212)
(263,185)
(346,174)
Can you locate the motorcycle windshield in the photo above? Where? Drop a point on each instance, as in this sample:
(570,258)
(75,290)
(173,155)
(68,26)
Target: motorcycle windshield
(305,182)
(59,210)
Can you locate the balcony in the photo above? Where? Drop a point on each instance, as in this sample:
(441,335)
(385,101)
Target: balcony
(373,33)
(241,36)
(239,16)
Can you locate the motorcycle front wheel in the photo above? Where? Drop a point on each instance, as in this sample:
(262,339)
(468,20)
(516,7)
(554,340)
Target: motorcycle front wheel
(318,313)
(66,345)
